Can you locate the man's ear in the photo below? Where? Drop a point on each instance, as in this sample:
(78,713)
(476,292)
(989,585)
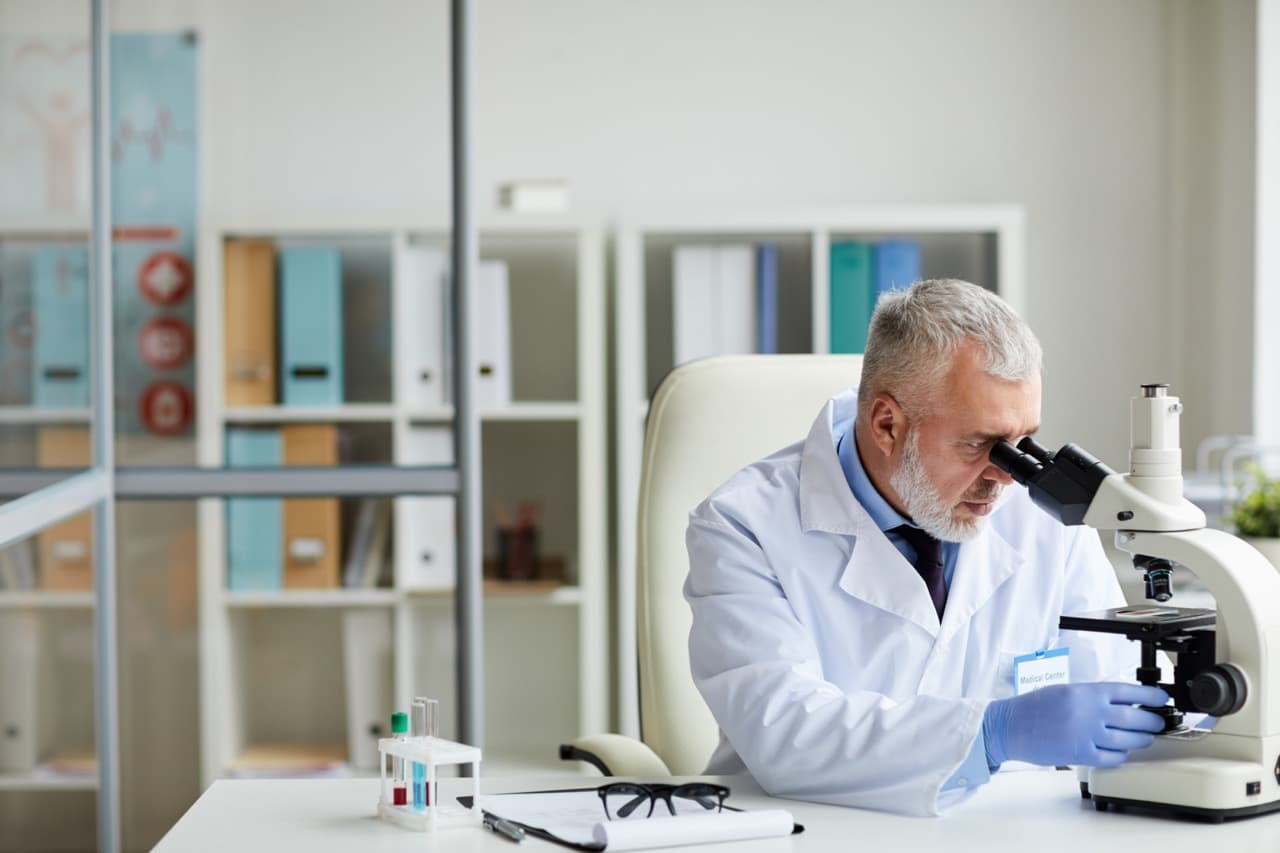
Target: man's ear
(888,424)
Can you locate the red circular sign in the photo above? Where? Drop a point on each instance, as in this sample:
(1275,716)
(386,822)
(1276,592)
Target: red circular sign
(165,408)
(165,278)
(165,343)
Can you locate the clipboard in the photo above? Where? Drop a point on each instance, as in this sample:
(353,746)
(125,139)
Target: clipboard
(546,835)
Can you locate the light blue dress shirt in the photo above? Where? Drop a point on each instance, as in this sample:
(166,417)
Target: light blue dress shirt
(974,771)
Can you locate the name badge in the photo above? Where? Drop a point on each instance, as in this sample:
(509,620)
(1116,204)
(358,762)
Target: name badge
(1041,669)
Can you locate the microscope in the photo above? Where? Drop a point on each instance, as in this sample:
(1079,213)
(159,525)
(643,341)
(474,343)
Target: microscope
(1227,663)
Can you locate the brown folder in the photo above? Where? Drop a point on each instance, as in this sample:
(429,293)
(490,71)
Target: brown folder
(311,525)
(249,267)
(65,548)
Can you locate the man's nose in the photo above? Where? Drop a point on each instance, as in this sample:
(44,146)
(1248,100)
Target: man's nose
(998,474)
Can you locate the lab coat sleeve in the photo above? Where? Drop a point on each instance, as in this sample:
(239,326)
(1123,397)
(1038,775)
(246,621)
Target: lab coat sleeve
(1090,584)
(799,735)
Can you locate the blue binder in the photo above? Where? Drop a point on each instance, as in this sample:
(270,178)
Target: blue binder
(311,325)
(897,265)
(767,298)
(60,306)
(853,295)
(255,553)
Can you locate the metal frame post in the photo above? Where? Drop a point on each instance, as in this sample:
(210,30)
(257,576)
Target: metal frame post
(103,428)
(469,615)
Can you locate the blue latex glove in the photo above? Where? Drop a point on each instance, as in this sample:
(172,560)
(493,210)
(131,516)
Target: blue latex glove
(1090,724)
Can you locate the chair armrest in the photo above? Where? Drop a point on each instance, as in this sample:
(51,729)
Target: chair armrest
(615,755)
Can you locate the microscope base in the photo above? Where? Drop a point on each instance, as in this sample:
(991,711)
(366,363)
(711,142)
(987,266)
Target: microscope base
(1213,789)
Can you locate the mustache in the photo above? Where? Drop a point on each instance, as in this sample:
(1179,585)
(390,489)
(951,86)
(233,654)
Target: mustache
(989,492)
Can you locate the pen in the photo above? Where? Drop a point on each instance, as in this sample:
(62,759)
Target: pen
(505,828)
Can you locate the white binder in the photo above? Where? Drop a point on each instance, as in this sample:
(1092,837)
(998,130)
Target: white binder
(367,662)
(19,669)
(736,294)
(421,323)
(491,322)
(426,544)
(713,301)
(693,287)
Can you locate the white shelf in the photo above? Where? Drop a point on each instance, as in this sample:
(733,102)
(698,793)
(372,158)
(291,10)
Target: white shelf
(36,415)
(518,412)
(47,599)
(534,412)
(343,597)
(230,696)
(443,414)
(349,413)
(559,596)
(44,780)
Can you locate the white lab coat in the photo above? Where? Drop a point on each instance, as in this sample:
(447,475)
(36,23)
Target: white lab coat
(819,652)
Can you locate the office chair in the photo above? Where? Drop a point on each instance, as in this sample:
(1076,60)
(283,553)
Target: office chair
(707,419)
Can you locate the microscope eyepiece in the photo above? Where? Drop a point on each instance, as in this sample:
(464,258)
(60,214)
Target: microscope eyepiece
(1030,446)
(1022,467)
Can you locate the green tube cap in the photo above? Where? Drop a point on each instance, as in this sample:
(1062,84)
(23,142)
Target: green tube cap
(399,723)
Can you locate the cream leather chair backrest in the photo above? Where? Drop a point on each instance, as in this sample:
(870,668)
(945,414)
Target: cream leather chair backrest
(707,419)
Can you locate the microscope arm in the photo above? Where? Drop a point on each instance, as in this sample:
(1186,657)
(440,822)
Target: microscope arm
(1247,589)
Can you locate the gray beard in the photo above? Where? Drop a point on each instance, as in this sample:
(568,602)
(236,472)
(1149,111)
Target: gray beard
(923,503)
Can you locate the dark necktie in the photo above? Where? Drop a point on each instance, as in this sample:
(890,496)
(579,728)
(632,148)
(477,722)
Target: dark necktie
(928,563)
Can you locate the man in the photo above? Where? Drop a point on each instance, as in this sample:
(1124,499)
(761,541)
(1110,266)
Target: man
(859,598)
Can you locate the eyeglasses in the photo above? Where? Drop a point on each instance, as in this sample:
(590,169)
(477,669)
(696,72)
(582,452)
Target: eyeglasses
(627,800)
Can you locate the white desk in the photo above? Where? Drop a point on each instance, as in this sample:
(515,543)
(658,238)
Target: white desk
(1022,812)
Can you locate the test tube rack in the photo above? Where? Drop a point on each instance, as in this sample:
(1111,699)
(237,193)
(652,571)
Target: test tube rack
(433,752)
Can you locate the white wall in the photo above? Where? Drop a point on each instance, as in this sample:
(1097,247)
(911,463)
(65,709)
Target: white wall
(1064,107)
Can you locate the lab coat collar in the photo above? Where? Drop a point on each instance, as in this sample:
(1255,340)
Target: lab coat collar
(877,573)
(826,501)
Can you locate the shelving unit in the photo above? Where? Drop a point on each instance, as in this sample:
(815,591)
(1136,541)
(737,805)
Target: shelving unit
(548,445)
(46,634)
(980,243)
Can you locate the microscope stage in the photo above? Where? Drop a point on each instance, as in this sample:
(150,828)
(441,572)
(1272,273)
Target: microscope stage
(1141,621)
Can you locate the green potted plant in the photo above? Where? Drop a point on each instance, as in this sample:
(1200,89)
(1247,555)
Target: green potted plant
(1256,516)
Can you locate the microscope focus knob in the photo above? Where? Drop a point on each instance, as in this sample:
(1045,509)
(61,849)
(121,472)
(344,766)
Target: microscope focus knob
(1218,691)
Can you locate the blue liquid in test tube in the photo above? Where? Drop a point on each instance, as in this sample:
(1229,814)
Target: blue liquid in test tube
(419,715)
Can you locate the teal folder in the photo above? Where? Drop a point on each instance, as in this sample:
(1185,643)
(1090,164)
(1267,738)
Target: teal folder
(60,306)
(852,295)
(311,325)
(255,534)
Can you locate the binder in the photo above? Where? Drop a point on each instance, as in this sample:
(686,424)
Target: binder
(422,320)
(714,295)
(767,298)
(254,532)
(311,325)
(19,673)
(492,325)
(693,291)
(852,296)
(897,264)
(312,546)
(65,549)
(249,293)
(426,528)
(367,665)
(736,295)
(60,306)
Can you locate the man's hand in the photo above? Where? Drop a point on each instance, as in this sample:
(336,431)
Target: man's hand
(1090,724)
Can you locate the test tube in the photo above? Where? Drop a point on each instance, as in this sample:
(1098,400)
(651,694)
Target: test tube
(399,785)
(418,729)
(433,732)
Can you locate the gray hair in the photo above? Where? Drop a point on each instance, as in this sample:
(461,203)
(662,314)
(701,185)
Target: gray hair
(914,333)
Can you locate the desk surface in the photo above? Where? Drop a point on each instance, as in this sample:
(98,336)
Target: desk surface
(1039,811)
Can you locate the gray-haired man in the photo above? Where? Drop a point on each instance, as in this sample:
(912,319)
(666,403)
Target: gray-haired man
(872,612)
